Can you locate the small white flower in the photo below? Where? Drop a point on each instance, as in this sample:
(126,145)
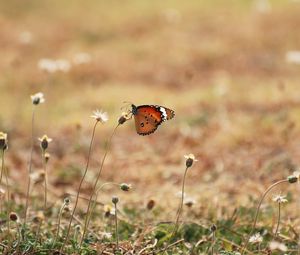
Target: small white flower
(63,65)
(172,16)
(81,58)
(38,98)
(280,199)
(189,201)
(106,235)
(179,194)
(47,65)
(25,37)
(263,6)
(190,156)
(100,116)
(52,66)
(297,175)
(2,193)
(45,140)
(293,57)
(277,246)
(190,159)
(257,238)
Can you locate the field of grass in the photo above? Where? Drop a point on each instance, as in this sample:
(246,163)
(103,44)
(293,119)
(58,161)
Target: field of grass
(230,69)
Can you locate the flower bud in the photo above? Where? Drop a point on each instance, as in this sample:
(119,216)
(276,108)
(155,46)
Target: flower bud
(3,141)
(124,117)
(115,199)
(122,120)
(67,201)
(213,228)
(150,204)
(292,179)
(37,98)
(125,186)
(13,216)
(47,157)
(45,140)
(39,217)
(77,228)
(190,160)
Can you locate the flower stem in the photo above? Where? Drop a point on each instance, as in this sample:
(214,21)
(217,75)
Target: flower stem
(213,244)
(58,224)
(257,211)
(94,201)
(46,177)
(116,225)
(108,144)
(3,169)
(278,221)
(181,203)
(79,188)
(2,165)
(30,164)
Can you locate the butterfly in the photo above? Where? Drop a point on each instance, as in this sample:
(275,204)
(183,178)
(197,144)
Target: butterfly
(149,117)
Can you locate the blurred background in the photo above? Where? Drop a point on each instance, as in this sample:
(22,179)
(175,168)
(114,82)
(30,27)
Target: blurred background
(230,69)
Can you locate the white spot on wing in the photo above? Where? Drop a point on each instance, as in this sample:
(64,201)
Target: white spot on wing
(163,113)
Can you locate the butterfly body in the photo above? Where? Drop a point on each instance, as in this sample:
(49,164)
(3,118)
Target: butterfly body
(149,117)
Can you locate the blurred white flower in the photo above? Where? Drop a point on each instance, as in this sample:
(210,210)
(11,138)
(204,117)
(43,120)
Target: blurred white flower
(190,159)
(48,65)
(25,37)
(63,65)
(2,193)
(257,238)
(100,116)
(37,98)
(52,66)
(263,6)
(293,57)
(191,156)
(82,58)
(189,201)
(280,199)
(179,194)
(277,246)
(297,175)
(106,235)
(172,15)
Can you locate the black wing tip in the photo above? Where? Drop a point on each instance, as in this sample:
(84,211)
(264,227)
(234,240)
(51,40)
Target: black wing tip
(148,133)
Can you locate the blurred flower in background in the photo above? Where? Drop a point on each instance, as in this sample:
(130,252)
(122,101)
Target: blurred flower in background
(25,37)
(293,57)
(82,58)
(52,66)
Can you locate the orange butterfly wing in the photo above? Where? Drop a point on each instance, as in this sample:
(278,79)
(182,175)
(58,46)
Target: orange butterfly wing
(149,117)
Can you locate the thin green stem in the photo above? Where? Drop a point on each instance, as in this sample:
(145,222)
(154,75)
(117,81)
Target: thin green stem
(181,204)
(58,224)
(80,184)
(257,212)
(2,169)
(2,165)
(46,177)
(108,144)
(278,221)
(30,165)
(7,190)
(116,225)
(19,237)
(94,201)
(38,233)
(213,244)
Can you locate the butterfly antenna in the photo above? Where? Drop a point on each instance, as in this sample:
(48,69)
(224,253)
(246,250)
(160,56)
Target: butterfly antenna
(126,106)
